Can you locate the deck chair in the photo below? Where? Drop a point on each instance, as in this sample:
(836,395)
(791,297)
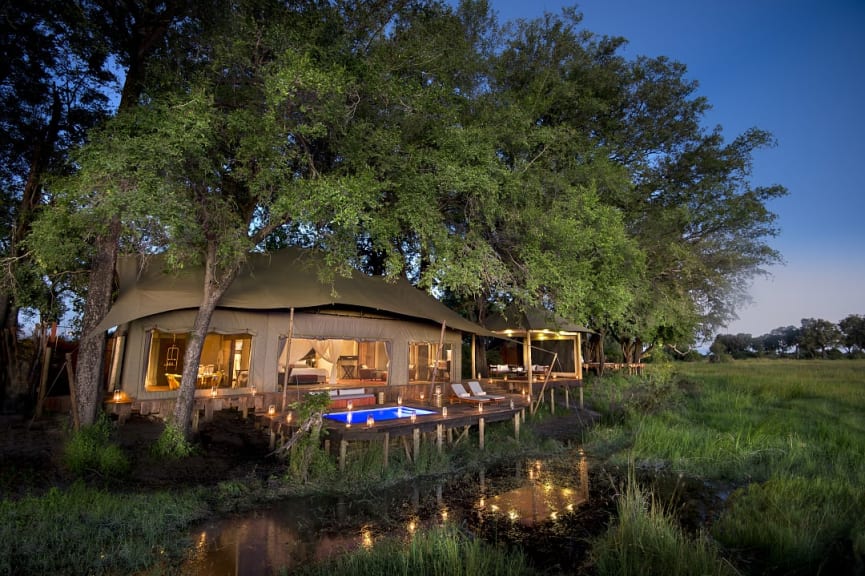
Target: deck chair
(478,392)
(460,395)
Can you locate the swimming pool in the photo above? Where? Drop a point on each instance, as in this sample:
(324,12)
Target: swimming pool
(378,414)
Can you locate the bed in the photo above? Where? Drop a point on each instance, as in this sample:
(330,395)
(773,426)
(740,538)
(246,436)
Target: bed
(307,375)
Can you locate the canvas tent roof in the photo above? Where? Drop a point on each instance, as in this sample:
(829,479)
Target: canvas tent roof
(284,279)
(534,320)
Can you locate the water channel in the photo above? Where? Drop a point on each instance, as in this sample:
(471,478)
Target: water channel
(537,505)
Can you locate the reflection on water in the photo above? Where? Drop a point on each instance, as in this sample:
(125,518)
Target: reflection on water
(541,497)
(267,542)
(292,533)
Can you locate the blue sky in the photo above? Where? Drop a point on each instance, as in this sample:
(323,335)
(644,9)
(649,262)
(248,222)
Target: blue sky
(797,69)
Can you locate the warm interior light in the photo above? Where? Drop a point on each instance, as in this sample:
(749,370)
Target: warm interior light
(271,410)
(118,395)
(288,418)
(213,392)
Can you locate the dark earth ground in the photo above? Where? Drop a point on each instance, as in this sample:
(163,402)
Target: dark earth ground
(229,447)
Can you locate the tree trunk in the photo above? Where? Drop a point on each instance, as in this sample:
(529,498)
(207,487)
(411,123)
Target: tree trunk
(215,285)
(91,348)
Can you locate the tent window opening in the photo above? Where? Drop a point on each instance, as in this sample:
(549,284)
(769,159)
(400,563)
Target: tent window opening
(224,361)
(331,361)
(424,358)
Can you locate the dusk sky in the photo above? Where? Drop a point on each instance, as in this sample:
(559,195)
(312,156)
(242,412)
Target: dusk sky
(797,69)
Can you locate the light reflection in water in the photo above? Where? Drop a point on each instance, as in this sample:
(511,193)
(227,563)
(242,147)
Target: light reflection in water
(287,537)
(542,497)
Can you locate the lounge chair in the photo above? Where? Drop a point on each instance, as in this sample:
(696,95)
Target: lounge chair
(460,395)
(478,392)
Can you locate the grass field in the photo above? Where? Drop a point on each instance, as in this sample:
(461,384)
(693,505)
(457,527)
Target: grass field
(790,435)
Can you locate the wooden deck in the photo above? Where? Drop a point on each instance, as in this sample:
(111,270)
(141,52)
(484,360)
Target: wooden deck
(449,429)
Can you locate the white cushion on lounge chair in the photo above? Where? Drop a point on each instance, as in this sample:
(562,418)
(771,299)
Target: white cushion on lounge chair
(476,389)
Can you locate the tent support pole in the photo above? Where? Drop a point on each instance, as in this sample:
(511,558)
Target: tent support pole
(288,359)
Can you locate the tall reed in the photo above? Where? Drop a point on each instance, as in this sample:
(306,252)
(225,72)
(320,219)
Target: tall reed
(645,540)
(440,550)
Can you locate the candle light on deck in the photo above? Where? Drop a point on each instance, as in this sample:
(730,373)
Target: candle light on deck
(271,410)
(214,392)
(370,421)
(413,416)
(399,400)
(118,395)
(252,390)
(288,418)
(349,405)
(480,408)
(445,411)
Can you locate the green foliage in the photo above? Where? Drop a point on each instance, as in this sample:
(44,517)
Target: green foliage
(788,431)
(307,460)
(645,539)
(439,550)
(172,443)
(90,450)
(799,525)
(86,531)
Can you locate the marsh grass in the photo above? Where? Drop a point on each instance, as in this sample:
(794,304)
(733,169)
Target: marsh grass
(86,531)
(645,539)
(439,550)
(790,433)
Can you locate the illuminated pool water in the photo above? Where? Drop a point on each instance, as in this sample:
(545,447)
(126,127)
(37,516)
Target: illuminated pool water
(378,414)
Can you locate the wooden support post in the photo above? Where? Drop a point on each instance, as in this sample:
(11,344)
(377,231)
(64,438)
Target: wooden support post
(523,415)
(416,441)
(272,442)
(405,446)
(343,450)
(552,400)
(481,433)
(439,437)
(208,410)
(195,417)
(581,397)
(517,426)
(73,398)
(43,381)
(386,447)
(464,434)
(450,436)
(567,399)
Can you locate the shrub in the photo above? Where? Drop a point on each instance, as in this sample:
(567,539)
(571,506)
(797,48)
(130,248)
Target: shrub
(90,450)
(172,444)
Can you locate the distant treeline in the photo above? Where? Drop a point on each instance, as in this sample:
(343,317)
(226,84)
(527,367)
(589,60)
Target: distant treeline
(814,338)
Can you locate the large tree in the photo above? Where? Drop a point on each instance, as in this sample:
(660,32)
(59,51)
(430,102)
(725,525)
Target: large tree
(54,78)
(687,199)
